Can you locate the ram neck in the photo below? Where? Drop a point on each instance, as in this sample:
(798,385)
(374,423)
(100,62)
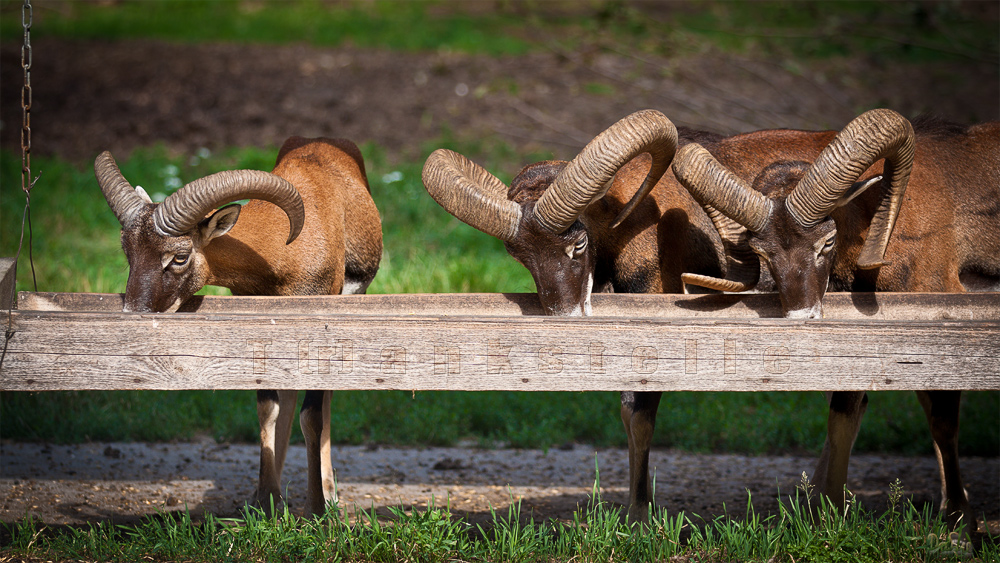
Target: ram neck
(671,235)
(237,266)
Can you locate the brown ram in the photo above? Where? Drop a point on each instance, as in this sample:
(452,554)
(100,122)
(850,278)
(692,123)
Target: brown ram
(323,235)
(584,225)
(933,225)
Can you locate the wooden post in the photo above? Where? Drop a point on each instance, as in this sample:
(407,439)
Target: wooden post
(8,281)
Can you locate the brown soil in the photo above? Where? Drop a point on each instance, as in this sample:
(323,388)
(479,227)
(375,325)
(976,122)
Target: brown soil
(91,96)
(94,96)
(123,482)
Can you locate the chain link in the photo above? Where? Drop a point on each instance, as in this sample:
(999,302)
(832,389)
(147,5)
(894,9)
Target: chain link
(26,17)
(26,182)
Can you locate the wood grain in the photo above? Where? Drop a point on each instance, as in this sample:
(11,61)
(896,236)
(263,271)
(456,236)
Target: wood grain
(52,350)
(8,280)
(860,306)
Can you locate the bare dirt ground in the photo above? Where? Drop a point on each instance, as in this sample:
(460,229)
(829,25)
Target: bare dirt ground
(123,482)
(94,95)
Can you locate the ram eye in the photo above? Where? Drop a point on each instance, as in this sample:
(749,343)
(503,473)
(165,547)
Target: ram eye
(829,244)
(180,259)
(580,246)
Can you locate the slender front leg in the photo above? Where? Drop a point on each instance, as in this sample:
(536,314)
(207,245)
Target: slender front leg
(639,418)
(275,410)
(315,422)
(942,410)
(846,410)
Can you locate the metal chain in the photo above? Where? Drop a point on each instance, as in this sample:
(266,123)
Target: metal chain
(26,17)
(26,182)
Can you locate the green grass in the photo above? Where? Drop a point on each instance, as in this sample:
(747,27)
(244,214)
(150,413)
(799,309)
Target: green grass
(902,31)
(888,31)
(750,423)
(596,532)
(426,251)
(396,25)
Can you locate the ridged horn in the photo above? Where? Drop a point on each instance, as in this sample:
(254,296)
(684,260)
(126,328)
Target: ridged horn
(873,135)
(742,264)
(470,193)
(185,208)
(711,183)
(586,175)
(718,284)
(125,203)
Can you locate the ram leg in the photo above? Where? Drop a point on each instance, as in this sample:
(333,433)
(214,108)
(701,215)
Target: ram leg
(275,410)
(639,418)
(846,411)
(942,411)
(315,421)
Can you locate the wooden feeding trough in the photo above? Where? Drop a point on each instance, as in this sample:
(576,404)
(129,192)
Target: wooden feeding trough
(480,342)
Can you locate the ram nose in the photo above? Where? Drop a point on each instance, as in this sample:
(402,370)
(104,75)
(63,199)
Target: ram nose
(566,310)
(814,312)
(136,302)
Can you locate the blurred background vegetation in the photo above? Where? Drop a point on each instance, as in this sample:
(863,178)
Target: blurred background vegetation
(917,29)
(75,237)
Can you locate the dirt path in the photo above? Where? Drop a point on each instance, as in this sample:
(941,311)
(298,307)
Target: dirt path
(95,95)
(123,482)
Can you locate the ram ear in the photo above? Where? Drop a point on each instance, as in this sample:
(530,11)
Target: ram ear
(857,189)
(219,223)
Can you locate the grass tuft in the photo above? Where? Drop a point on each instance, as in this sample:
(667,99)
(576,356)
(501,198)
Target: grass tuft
(597,532)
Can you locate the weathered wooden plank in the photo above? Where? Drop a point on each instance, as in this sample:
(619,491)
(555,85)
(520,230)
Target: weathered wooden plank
(67,350)
(8,280)
(861,306)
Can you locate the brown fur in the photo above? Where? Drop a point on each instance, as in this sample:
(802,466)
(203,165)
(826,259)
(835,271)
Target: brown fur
(946,238)
(341,236)
(340,243)
(948,226)
(669,224)
(668,234)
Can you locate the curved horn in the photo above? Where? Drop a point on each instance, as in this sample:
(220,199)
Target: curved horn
(719,284)
(121,196)
(742,265)
(586,176)
(185,208)
(470,193)
(713,184)
(873,135)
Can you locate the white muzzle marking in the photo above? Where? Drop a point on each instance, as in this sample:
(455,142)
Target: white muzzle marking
(814,312)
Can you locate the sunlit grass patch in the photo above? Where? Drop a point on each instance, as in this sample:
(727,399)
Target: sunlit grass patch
(800,531)
(399,25)
(891,31)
